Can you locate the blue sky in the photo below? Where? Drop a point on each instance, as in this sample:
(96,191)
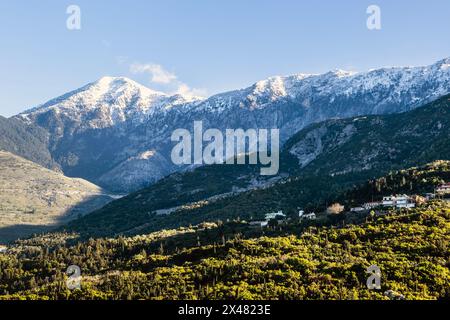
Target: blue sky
(205,46)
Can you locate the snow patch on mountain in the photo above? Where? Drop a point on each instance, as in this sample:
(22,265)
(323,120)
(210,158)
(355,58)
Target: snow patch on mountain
(109,101)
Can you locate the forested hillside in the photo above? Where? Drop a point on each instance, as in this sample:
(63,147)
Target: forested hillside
(26,140)
(410,247)
(412,181)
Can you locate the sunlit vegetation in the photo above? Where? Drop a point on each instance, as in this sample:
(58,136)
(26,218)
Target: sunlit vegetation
(410,247)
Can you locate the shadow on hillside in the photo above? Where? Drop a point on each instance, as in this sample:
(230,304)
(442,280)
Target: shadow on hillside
(11,233)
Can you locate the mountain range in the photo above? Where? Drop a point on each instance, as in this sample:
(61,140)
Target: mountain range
(317,164)
(116,133)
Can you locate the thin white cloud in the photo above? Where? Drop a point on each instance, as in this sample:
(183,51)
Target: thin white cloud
(185,90)
(157,73)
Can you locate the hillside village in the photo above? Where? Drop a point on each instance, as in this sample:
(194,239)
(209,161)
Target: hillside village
(400,201)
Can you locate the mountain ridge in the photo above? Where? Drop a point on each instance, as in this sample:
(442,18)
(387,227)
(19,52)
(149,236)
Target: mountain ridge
(105,142)
(341,164)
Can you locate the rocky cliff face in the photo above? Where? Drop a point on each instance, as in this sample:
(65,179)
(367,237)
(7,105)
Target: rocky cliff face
(116,132)
(373,143)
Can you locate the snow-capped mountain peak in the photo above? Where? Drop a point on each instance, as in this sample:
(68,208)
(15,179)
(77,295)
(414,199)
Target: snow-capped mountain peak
(339,73)
(399,84)
(443,64)
(108,101)
(83,123)
(108,85)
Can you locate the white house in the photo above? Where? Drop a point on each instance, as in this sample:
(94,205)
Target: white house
(389,201)
(3,249)
(274,215)
(357,209)
(310,216)
(301,213)
(401,201)
(404,202)
(430,196)
(443,189)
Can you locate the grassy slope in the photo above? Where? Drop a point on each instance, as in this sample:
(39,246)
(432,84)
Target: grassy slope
(33,198)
